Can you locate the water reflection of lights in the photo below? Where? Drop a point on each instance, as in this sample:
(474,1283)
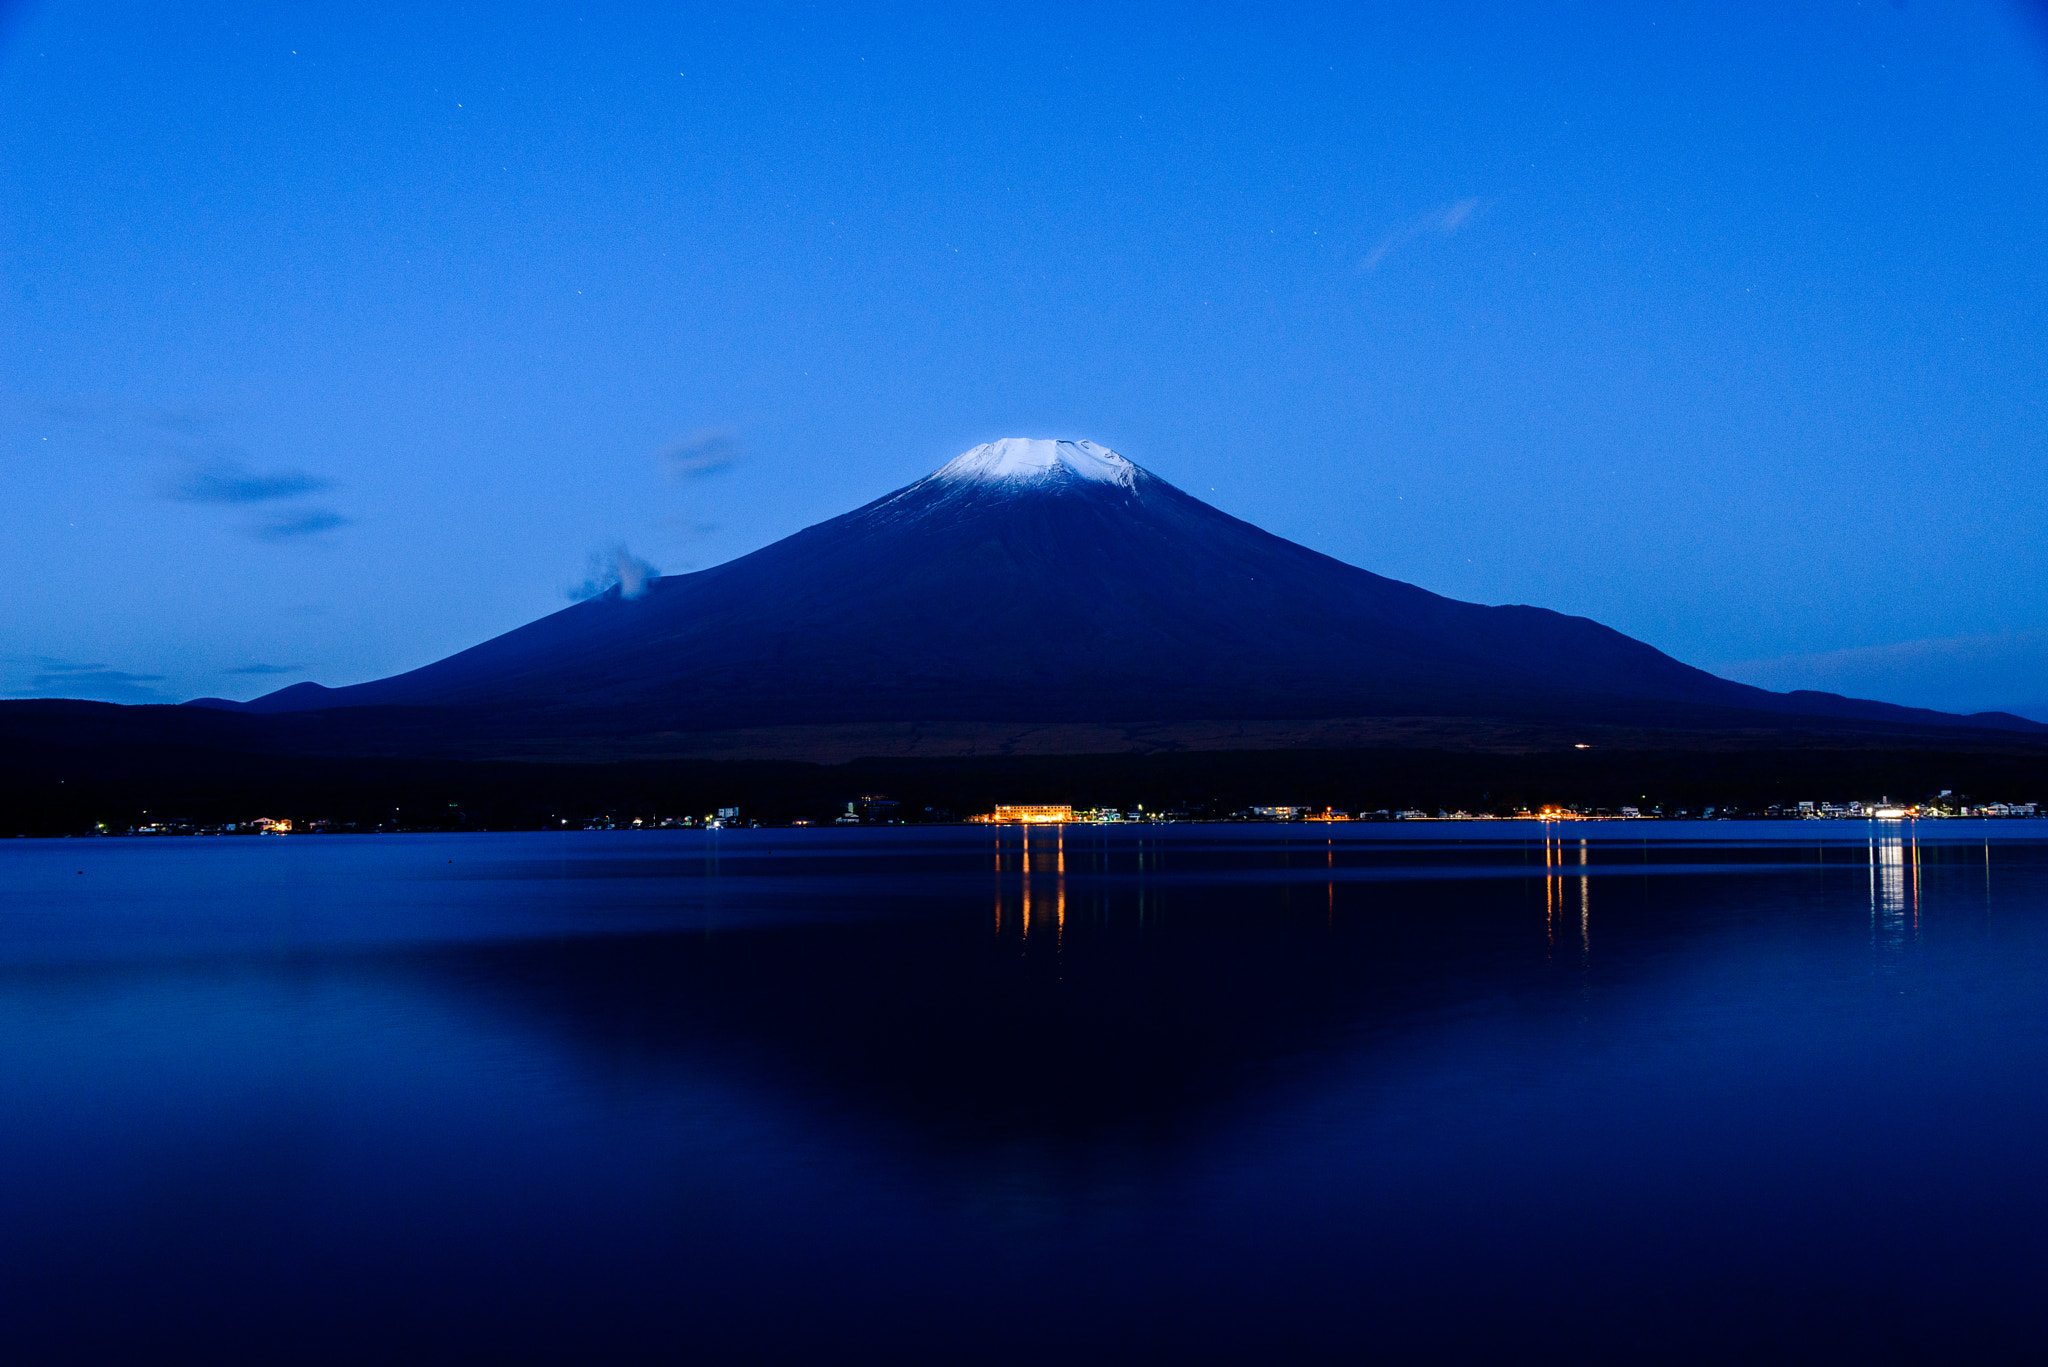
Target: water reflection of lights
(1330,888)
(1041,899)
(1894,887)
(1555,896)
(1585,904)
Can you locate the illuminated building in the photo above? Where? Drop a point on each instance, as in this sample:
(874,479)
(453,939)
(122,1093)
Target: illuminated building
(1031,815)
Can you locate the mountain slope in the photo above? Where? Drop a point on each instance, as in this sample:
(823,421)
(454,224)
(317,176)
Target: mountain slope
(1048,581)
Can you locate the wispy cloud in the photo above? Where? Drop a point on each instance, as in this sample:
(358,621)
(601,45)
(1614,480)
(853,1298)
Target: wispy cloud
(684,529)
(1442,222)
(228,479)
(296,526)
(194,466)
(95,682)
(266,669)
(702,454)
(76,411)
(108,427)
(186,422)
(1994,672)
(615,568)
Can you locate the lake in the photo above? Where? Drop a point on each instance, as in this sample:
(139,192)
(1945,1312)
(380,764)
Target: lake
(1294,1093)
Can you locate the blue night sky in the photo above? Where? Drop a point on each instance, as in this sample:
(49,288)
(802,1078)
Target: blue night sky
(335,339)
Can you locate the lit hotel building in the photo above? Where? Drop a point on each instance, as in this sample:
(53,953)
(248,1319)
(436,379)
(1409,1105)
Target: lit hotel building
(1043,815)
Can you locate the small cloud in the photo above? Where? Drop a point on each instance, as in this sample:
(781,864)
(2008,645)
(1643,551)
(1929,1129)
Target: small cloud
(1454,217)
(95,682)
(299,525)
(616,568)
(1994,672)
(188,422)
(266,669)
(75,410)
(1444,222)
(95,674)
(684,525)
(226,479)
(701,455)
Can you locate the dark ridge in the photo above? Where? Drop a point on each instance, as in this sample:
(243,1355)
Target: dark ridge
(75,766)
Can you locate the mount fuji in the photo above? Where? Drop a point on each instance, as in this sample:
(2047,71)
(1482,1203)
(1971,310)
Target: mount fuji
(1053,584)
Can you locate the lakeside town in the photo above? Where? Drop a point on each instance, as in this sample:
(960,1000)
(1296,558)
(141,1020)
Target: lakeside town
(877,810)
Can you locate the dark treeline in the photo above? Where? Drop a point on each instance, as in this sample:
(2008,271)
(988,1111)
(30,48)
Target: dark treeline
(58,790)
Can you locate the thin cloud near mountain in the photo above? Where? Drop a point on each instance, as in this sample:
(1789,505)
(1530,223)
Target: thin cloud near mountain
(296,526)
(228,479)
(55,678)
(701,455)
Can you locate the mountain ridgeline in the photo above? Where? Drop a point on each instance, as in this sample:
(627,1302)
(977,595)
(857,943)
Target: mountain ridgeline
(1047,583)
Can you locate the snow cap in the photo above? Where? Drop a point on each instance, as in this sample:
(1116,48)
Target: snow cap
(1026,458)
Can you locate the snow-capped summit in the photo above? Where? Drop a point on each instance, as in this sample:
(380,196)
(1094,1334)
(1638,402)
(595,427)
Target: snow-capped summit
(1026,458)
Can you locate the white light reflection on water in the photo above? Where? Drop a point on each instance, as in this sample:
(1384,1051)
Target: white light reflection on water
(1585,909)
(1894,858)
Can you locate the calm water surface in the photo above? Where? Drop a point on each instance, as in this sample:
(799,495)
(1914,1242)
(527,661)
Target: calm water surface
(1218,1093)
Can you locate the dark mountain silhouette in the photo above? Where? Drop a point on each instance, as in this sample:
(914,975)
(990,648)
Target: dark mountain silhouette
(1056,583)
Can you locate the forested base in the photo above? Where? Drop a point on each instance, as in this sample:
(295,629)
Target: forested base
(60,791)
